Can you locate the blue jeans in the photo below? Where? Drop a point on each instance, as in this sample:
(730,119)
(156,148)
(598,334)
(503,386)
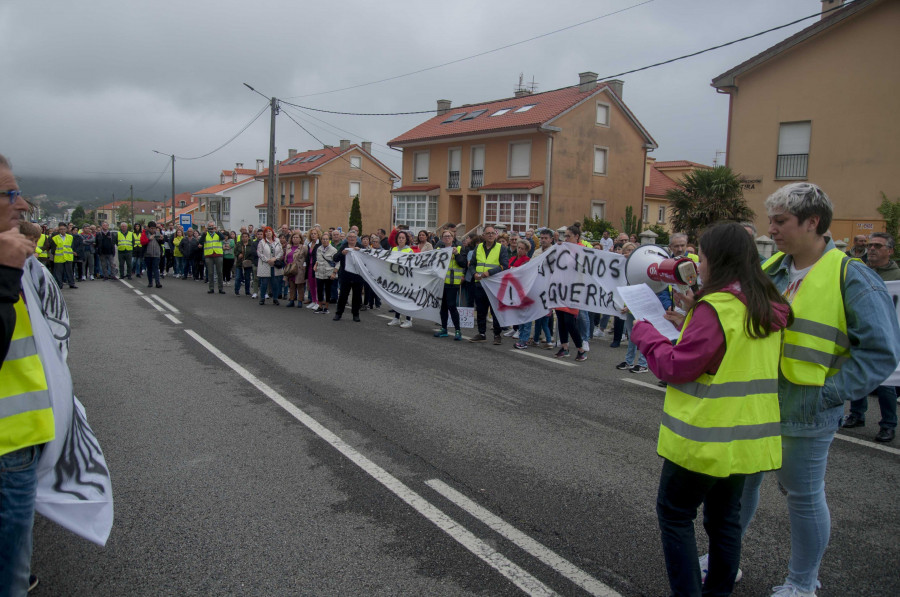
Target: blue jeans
(542,324)
(887,400)
(137,264)
(152,269)
(242,275)
(584,325)
(273,282)
(18,488)
(632,347)
(524,332)
(179,266)
(802,475)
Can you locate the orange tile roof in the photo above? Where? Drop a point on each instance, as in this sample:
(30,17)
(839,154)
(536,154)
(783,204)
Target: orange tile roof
(221,187)
(659,183)
(298,167)
(517,184)
(413,188)
(145,206)
(547,106)
(240,171)
(296,205)
(679,164)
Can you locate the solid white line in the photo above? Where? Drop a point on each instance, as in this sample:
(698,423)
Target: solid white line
(173,319)
(543,358)
(152,304)
(529,545)
(126,283)
(846,438)
(165,304)
(638,382)
(464,537)
(138,292)
(384,316)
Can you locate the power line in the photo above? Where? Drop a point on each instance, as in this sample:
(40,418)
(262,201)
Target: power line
(599,79)
(158,178)
(486,52)
(238,134)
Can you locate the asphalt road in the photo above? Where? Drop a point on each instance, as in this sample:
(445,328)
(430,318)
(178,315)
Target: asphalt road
(225,484)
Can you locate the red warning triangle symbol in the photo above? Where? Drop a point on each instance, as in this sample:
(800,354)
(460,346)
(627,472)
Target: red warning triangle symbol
(512,295)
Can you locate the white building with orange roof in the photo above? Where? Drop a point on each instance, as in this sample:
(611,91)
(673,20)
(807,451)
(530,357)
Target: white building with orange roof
(232,202)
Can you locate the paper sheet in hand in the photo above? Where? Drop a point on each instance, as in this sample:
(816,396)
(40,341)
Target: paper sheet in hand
(644,304)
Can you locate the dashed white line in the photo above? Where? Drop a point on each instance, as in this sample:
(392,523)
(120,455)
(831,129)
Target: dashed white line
(173,319)
(138,292)
(165,304)
(522,579)
(543,358)
(152,304)
(126,283)
(638,382)
(526,543)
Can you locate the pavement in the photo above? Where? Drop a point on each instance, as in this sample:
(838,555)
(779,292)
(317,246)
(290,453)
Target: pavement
(259,450)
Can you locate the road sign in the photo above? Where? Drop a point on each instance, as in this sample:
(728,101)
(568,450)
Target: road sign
(185,221)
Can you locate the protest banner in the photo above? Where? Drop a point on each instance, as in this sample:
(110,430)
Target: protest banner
(411,283)
(893,289)
(466,318)
(566,275)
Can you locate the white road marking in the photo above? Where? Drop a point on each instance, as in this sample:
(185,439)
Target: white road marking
(526,582)
(154,305)
(529,545)
(384,316)
(165,304)
(126,283)
(138,292)
(543,358)
(846,438)
(173,319)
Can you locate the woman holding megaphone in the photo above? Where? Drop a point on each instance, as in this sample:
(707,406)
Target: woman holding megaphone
(721,419)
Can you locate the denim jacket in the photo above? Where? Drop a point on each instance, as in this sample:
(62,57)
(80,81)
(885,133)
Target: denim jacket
(874,353)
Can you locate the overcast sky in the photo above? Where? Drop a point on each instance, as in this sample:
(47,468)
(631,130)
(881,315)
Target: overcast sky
(94,86)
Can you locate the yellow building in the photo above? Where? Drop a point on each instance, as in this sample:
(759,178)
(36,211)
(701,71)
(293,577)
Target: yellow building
(821,106)
(659,178)
(536,159)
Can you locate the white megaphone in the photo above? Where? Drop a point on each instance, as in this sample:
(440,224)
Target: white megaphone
(652,265)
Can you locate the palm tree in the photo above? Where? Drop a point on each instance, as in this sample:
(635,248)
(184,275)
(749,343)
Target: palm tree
(704,197)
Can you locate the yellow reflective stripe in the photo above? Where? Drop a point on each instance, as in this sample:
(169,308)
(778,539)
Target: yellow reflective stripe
(23,403)
(821,330)
(721,434)
(21,348)
(730,389)
(816,357)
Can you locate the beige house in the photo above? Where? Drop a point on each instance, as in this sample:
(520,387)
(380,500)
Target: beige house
(658,179)
(318,186)
(535,159)
(821,106)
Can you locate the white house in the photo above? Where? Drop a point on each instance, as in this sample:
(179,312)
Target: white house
(232,202)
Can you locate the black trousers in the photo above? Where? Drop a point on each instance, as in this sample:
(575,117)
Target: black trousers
(482,305)
(348,287)
(568,324)
(448,305)
(681,492)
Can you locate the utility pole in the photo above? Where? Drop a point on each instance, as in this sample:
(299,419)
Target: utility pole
(131,192)
(173,191)
(270,203)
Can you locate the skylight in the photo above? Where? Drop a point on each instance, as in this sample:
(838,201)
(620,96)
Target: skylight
(501,111)
(525,108)
(293,161)
(474,114)
(454,118)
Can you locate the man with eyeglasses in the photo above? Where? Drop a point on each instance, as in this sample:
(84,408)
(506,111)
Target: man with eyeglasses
(880,248)
(488,258)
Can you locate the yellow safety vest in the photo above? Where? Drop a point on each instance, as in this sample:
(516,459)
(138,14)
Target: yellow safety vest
(212,248)
(136,240)
(728,423)
(39,251)
(489,261)
(585,243)
(816,344)
(26,414)
(403,250)
(125,241)
(455,273)
(63,252)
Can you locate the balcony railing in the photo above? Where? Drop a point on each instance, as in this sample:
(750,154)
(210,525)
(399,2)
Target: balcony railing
(792,165)
(477,179)
(453,181)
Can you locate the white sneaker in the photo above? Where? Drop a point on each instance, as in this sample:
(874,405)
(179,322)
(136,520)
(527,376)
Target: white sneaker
(585,346)
(92,277)
(599,333)
(789,590)
(704,568)
(254,295)
(394,322)
(405,324)
(510,333)
(312,306)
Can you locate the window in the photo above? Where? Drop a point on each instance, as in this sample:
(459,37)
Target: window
(355,162)
(304,190)
(661,215)
(354,188)
(525,108)
(520,159)
(262,217)
(501,111)
(454,118)
(226,206)
(598,210)
(645,214)
(420,166)
(282,193)
(476,176)
(182,203)
(474,114)
(793,150)
(300,219)
(516,211)
(600,156)
(454,159)
(292,192)
(415,211)
(602,114)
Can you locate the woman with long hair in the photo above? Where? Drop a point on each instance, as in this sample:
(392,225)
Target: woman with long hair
(402,240)
(270,252)
(422,242)
(245,256)
(228,246)
(176,252)
(137,255)
(325,271)
(721,419)
(312,247)
(295,260)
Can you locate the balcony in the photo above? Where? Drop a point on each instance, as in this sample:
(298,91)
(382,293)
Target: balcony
(791,165)
(476,180)
(453,180)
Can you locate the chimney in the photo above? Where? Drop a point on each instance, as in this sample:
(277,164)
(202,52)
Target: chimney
(828,5)
(587,81)
(222,178)
(234,176)
(238,165)
(616,86)
(522,92)
(443,106)
(345,144)
(259,166)
(291,153)
(648,165)
(367,146)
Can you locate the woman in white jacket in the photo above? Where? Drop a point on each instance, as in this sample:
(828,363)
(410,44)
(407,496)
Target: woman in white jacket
(270,252)
(326,271)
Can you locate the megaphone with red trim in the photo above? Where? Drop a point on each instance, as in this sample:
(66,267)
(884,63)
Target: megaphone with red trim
(652,265)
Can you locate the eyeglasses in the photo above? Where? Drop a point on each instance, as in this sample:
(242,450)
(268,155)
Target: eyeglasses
(491,233)
(13,195)
(875,246)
